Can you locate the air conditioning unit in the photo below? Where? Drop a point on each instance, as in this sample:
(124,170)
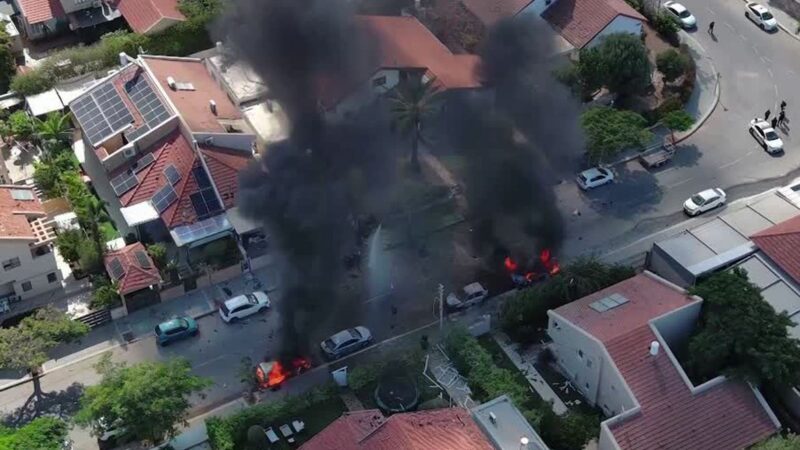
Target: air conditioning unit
(129,152)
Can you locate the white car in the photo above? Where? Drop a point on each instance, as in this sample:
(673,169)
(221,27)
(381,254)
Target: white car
(346,342)
(594,177)
(763,132)
(704,201)
(469,295)
(759,14)
(682,14)
(244,306)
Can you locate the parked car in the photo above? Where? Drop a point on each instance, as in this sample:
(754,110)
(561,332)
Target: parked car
(244,306)
(176,329)
(469,295)
(683,16)
(704,201)
(346,341)
(761,16)
(594,177)
(762,131)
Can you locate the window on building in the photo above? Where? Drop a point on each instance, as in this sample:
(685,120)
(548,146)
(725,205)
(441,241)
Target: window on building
(51,277)
(27,286)
(11,263)
(378,82)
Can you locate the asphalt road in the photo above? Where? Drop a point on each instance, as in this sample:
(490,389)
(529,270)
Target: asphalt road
(757,70)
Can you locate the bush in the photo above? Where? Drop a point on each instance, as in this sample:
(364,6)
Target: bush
(610,131)
(158,252)
(89,258)
(570,431)
(32,82)
(104,294)
(667,26)
(21,125)
(638,5)
(672,64)
(69,242)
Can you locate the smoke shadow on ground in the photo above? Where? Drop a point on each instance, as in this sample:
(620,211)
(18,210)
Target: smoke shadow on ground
(635,191)
(686,155)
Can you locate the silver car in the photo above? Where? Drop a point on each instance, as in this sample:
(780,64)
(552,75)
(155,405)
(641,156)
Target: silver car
(346,341)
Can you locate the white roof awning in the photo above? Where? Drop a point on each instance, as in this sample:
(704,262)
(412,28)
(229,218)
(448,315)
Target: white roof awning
(44,103)
(201,232)
(241,224)
(139,213)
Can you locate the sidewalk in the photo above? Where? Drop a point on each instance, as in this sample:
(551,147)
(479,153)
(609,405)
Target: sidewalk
(701,104)
(786,22)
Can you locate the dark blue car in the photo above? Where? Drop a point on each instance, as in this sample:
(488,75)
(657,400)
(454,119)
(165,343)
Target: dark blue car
(175,330)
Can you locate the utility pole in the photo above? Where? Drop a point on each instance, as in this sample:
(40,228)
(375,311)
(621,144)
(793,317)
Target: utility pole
(440,298)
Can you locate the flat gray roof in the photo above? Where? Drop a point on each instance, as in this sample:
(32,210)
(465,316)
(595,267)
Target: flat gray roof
(508,427)
(778,290)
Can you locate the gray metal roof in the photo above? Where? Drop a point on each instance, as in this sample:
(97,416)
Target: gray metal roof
(508,427)
(778,290)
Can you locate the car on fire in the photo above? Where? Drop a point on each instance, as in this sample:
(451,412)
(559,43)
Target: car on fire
(346,341)
(272,374)
(243,306)
(470,295)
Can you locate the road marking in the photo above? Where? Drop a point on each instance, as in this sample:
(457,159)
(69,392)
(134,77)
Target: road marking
(212,360)
(743,38)
(769,71)
(762,59)
(709,9)
(736,161)
(728,25)
(679,183)
(766,59)
(776,90)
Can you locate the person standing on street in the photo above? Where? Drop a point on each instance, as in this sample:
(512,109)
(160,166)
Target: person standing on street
(711,28)
(766,115)
(774,122)
(783,105)
(781,118)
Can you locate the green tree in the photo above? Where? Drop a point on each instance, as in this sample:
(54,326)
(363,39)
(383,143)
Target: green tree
(21,125)
(591,69)
(672,64)
(33,82)
(91,213)
(569,432)
(788,442)
(43,433)
(666,25)
(623,64)
(49,174)
(412,105)
(741,335)
(54,130)
(25,346)
(150,399)
(8,65)
(104,293)
(678,120)
(609,131)
(158,252)
(69,243)
(201,11)
(89,258)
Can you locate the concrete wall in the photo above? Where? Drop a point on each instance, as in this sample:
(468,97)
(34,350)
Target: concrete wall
(677,326)
(97,173)
(30,269)
(367,92)
(239,141)
(118,158)
(620,24)
(659,262)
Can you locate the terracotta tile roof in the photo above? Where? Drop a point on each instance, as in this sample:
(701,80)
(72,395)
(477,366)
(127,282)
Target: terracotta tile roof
(37,11)
(648,298)
(142,15)
(781,242)
(405,43)
(136,276)
(440,429)
(726,416)
(579,21)
(224,166)
(194,105)
(14,213)
(491,11)
(175,150)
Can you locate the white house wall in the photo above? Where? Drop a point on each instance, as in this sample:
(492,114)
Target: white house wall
(620,24)
(30,269)
(367,92)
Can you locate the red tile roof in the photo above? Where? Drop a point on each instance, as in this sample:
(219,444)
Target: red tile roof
(173,149)
(726,416)
(491,11)
(142,15)
(136,277)
(14,214)
(781,242)
(404,43)
(37,11)
(224,166)
(579,21)
(440,429)
(194,105)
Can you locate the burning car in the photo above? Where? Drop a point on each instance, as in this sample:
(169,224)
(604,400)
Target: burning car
(538,270)
(272,374)
(469,295)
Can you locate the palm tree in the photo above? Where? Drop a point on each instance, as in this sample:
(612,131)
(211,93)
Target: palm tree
(55,129)
(92,212)
(413,102)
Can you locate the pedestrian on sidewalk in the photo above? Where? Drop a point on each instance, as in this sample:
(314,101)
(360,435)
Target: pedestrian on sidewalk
(781,118)
(711,28)
(766,115)
(783,105)
(774,122)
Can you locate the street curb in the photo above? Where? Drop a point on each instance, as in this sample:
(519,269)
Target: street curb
(788,31)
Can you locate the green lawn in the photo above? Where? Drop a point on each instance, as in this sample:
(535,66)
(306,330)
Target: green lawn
(109,232)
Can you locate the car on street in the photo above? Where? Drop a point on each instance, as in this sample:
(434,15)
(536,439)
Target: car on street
(346,341)
(762,131)
(243,306)
(704,201)
(469,295)
(175,329)
(594,177)
(683,16)
(761,16)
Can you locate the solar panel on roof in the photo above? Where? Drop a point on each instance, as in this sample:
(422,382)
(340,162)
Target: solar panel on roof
(116,269)
(144,261)
(124,182)
(22,194)
(144,161)
(146,101)
(201,229)
(111,105)
(101,113)
(201,177)
(172,174)
(205,203)
(164,197)
(91,119)
(137,133)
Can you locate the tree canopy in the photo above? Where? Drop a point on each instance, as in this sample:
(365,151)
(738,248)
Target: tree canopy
(678,120)
(26,345)
(149,399)
(44,433)
(619,63)
(788,442)
(741,335)
(412,105)
(672,64)
(609,131)
(8,65)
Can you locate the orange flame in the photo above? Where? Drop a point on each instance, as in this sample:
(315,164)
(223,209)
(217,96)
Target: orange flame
(277,374)
(511,266)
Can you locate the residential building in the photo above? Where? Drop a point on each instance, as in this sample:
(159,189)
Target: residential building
(28,265)
(582,23)
(162,144)
(440,429)
(150,16)
(44,18)
(406,49)
(135,275)
(505,426)
(615,346)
